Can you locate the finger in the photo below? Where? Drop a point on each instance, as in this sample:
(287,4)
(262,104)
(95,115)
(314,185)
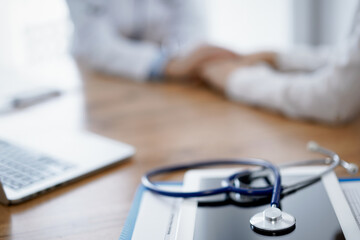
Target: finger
(215,60)
(211,52)
(211,48)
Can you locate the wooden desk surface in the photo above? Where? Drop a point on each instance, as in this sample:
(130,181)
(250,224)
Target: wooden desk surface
(167,123)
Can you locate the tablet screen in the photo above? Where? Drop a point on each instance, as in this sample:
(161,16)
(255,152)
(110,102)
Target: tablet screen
(315,217)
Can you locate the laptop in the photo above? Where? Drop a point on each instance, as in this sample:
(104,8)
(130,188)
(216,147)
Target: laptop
(45,146)
(26,171)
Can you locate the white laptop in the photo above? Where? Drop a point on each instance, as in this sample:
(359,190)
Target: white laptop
(27,170)
(45,146)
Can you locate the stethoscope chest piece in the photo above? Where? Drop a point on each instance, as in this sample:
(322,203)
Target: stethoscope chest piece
(272,221)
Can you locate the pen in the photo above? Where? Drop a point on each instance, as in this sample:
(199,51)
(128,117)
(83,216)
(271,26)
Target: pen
(33,97)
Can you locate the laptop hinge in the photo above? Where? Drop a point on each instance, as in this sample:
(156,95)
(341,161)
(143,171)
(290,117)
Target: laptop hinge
(3,198)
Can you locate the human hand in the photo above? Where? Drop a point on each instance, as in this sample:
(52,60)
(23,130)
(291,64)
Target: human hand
(216,73)
(264,57)
(189,65)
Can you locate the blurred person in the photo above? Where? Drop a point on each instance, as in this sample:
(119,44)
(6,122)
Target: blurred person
(321,84)
(141,39)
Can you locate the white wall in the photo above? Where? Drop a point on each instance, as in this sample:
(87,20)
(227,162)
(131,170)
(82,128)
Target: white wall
(318,22)
(344,11)
(5,33)
(34,42)
(32,31)
(249,25)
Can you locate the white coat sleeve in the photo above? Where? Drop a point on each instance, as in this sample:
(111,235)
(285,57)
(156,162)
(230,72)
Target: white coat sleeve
(331,94)
(303,58)
(97,42)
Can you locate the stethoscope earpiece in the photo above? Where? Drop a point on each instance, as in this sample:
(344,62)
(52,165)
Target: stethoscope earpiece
(312,146)
(351,168)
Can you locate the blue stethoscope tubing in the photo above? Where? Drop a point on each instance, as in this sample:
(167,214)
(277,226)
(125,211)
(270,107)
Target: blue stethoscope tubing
(275,190)
(332,159)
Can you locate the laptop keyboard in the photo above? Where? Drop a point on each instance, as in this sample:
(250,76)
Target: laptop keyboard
(20,168)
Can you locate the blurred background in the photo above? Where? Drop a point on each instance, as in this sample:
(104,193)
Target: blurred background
(35,34)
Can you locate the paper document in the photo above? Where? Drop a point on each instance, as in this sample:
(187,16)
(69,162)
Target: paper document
(351,189)
(152,216)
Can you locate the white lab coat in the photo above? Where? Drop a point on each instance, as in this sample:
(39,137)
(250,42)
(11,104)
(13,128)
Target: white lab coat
(325,86)
(125,37)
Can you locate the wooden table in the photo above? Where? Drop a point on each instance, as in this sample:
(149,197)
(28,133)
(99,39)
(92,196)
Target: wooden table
(167,123)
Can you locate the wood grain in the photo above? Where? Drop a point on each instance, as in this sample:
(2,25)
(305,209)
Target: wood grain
(167,123)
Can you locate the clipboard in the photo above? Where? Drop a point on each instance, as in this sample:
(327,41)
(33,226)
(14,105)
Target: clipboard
(139,221)
(350,186)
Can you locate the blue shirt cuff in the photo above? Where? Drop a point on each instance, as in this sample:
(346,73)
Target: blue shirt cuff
(158,67)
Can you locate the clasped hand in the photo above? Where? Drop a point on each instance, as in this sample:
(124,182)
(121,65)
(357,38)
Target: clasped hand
(213,65)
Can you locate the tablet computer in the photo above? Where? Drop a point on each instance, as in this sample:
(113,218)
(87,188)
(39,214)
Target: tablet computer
(321,210)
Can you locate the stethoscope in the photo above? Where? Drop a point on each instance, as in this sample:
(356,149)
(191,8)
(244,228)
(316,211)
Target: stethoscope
(272,221)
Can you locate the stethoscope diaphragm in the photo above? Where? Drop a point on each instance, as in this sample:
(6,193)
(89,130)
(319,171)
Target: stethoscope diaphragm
(272,221)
